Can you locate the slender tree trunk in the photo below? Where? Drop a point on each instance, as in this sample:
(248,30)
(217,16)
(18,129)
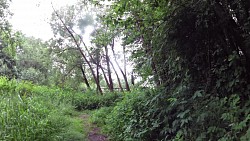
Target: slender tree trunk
(132,79)
(105,78)
(91,57)
(123,74)
(118,79)
(125,61)
(109,70)
(80,50)
(97,74)
(84,77)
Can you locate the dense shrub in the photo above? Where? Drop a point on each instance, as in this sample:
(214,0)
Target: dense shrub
(154,115)
(198,51)
(81,101)
(90,100)
(134,118)
(99,116)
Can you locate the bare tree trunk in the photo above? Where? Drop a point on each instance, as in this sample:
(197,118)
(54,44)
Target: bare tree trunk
(118,79)
(97,75)
(123,74)
(125,61)
(111,85)
(80,50)
(91,57)
(132,79)
(84,77)
(106,79)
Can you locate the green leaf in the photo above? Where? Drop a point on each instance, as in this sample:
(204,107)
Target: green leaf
(198,93)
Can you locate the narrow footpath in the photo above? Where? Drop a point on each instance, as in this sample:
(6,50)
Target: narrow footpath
(93,131)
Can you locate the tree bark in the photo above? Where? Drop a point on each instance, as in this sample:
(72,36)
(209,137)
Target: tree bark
(118,79)
(84,77)
(123,74)
(97,74)
(125,61)
(105,78)
(111,85)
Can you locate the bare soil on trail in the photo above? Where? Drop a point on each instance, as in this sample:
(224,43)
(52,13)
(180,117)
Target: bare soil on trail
(93,131)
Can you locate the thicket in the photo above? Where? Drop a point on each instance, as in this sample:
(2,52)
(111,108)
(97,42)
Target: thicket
(153,115)
(91,100)
(198,56)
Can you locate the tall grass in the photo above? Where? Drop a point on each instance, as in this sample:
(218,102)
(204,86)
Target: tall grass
(29,112)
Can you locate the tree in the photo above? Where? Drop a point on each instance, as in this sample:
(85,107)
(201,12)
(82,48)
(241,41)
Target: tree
(98,53)
(122,72)
(69,35)
(197,53)
(34,62)
(8,43)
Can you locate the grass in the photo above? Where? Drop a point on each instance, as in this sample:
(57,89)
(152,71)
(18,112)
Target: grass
(29,112)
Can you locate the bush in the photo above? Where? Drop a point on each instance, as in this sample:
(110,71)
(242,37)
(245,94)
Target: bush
(154,115)
(99,116)
(90,100)
(81,101)
(133,118)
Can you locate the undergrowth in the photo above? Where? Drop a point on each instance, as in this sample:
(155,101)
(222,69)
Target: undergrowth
(91,101)
(153,115)
(30,112)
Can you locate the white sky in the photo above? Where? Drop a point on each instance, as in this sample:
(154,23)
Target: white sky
(32,16)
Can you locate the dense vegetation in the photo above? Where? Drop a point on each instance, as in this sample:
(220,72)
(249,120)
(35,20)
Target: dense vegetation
(191,58)
(30,112)
(197,54)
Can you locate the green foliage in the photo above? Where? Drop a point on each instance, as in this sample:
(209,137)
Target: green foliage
(8,42)
(134,118)
(99,116)
(195,52)
(90,100)
(28,115)
(155,116)
(34,61)
(198,52)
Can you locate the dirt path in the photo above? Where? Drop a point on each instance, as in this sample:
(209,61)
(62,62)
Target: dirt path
(93,131)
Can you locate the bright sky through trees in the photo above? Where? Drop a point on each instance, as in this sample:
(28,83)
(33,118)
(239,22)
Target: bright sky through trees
(32,16)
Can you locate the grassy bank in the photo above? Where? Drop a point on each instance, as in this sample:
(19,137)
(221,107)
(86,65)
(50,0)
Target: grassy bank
(30,112)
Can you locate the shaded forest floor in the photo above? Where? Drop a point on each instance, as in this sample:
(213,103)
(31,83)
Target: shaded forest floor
(93,133)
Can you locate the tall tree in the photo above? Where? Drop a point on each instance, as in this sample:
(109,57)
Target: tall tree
(70,33)
(84,76)
(111,85)
(122,72)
